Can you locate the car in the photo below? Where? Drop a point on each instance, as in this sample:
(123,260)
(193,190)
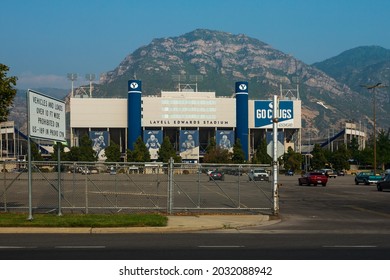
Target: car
(258,174)
(216,175)
(208,172)
(367,178)
(314,178)
(383,184)
(331,174)
(112,170)
(85,171)
(289,172)
(340,173)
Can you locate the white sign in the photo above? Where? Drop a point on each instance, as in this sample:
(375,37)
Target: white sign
(46,117)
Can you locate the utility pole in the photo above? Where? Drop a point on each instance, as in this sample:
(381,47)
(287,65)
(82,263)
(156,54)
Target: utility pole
(373,88)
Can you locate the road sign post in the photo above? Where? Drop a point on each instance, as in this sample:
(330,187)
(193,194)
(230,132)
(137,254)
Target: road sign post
(275,120)
(46,120)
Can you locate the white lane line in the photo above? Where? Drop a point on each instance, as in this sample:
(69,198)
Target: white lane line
(16,247)
(222,246)
(80,247)
(349,246)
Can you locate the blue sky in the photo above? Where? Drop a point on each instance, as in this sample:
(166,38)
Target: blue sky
(43,40)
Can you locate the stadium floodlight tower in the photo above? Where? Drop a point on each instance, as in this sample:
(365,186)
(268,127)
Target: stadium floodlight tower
(90,78)
(72,77)
(196,79)
(373,88)
(179,78)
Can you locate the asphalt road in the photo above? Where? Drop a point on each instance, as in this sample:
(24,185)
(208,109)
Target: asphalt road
(339,221)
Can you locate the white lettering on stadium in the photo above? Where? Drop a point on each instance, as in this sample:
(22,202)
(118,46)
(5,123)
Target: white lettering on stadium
(267,114)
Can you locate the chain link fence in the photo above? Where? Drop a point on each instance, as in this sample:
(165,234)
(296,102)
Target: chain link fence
(83,187)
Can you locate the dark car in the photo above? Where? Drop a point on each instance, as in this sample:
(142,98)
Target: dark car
(384,184)
(313,178)
(340,173)
(216,175)
(289,173)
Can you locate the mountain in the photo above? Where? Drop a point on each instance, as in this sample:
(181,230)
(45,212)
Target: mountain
(366,65)
(221,59)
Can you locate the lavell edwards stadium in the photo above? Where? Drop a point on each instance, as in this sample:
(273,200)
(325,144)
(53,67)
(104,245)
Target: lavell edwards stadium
(188,117)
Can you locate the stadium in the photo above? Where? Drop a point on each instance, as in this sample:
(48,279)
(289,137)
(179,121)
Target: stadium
(190,118)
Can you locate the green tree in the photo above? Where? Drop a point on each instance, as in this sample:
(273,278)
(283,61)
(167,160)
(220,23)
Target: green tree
(319,160)
(366,156)
(292,160)
(63,155)
(86,153)
(353,148)
(7,92)
(238,153)
(73,154)
(339,158)
(167,151)
(215,154)
(140,153)
(382,148)
(261,155)
(35,153)
(113,152)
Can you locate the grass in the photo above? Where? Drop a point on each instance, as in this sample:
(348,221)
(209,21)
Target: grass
(80,220)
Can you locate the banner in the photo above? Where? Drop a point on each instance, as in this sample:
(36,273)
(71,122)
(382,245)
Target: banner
(189,145)
(225,139)
(99,143)
(153,140)
(263,114)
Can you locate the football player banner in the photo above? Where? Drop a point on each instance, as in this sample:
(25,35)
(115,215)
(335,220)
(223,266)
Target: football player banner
(225,139)
(153,140)
(189,144)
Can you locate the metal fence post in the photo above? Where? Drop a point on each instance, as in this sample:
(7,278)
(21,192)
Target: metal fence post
(86,192)
(116,185)
(5,187)
(199,172)
(59,178)
(170,186)
(239,186)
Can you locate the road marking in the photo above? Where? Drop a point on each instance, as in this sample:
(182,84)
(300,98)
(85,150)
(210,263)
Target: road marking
(369,211)
(80,247)
(350,246)
(16,247)
(222,246)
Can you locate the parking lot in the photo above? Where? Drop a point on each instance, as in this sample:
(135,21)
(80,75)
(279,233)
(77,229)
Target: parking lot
(185,189)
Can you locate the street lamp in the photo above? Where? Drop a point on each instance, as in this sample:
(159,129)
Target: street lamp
(373,88)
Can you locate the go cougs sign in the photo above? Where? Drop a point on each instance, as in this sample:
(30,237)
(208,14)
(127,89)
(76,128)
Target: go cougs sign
(263,114)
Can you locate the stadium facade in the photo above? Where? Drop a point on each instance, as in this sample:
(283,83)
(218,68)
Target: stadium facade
(188,117)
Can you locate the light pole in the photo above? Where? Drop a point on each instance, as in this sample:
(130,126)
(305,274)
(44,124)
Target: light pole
(373,88)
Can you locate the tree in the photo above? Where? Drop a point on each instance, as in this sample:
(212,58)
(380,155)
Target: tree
(292,160)
(339,158)
(261,155)
(140,153)
(167,151)
(7,92)
(73,154)
(113,152)
(318,161)
(35,153)
(215,154)
(382,148)
(54,155)
(86,153)
(353,148)
(238,153)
